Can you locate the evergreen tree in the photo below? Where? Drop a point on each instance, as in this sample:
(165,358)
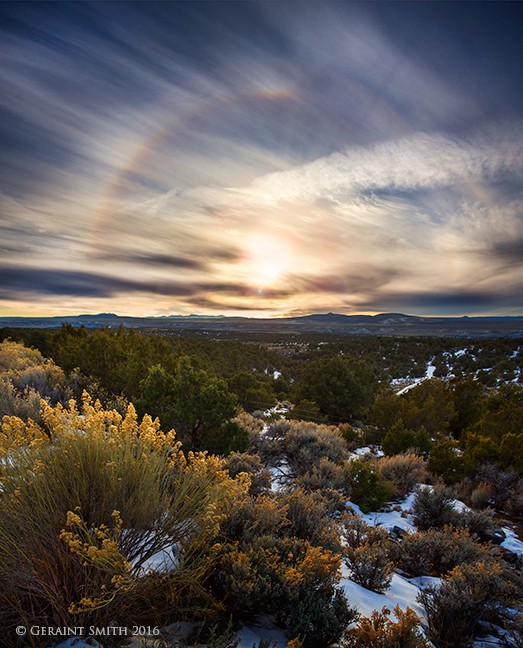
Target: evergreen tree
(197,404)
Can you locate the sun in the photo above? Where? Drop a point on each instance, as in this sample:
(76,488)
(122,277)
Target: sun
(267,260)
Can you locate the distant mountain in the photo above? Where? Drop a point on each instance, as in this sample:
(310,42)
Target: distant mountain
(192,316)
(100,316)
(318,324)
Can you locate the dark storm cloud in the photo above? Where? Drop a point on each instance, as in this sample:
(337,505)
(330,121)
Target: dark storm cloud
(19,283)
(199,262)
(234,289)
(221,305)
(368,280)
(458,302)
(510,252)
(150,259)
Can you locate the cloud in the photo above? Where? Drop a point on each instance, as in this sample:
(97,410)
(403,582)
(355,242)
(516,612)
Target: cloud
(20,283)
(511,252)
(149,259)
(359,280)
(146,155)
(418,162)
(451,302)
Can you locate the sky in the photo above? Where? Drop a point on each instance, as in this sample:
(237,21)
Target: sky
(261,159)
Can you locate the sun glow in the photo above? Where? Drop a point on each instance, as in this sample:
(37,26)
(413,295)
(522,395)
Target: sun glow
(267,260)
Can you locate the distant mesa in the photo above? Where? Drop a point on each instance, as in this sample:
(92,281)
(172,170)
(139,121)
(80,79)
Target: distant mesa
(100,316)
(192,316)
(390,324)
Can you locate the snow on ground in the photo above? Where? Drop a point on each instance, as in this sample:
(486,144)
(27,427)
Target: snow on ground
(163,560)
(252,635)
(429,373)
(403,592)
(78,642)
(512,542)
(392,518)
(280,476)
(366,450)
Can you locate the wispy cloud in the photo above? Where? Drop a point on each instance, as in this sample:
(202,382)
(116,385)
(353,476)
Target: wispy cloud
(253,157)
(418,162)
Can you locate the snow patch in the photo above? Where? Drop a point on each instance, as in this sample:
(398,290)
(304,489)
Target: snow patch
(512,542)
(402,592)
(428,374)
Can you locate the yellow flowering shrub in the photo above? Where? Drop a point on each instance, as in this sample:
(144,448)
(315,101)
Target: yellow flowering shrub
(86,504)
(264,566)
(379,631)
(16,434)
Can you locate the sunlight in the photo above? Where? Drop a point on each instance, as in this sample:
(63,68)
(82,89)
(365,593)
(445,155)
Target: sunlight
(268,258)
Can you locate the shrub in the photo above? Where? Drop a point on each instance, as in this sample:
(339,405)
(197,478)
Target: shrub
(433,507)
(400,439)
(365,487)
(320,624)
(278,555)
(247,518)
(515,503)
(352,436)
(355,532)
(380,632)
(475,521)
(370,566)
(305,444)
(307,515)
(25,378)
(250,423)
(270,446)
(328,480)
(77,384)
(83,511)
(438,552)
(15,357)
(286,577)
(481,495)
(404,471)
(502,483)
(239,462)
(366,553)
(445,461)
(289,514)
(468,596)
(24,405)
